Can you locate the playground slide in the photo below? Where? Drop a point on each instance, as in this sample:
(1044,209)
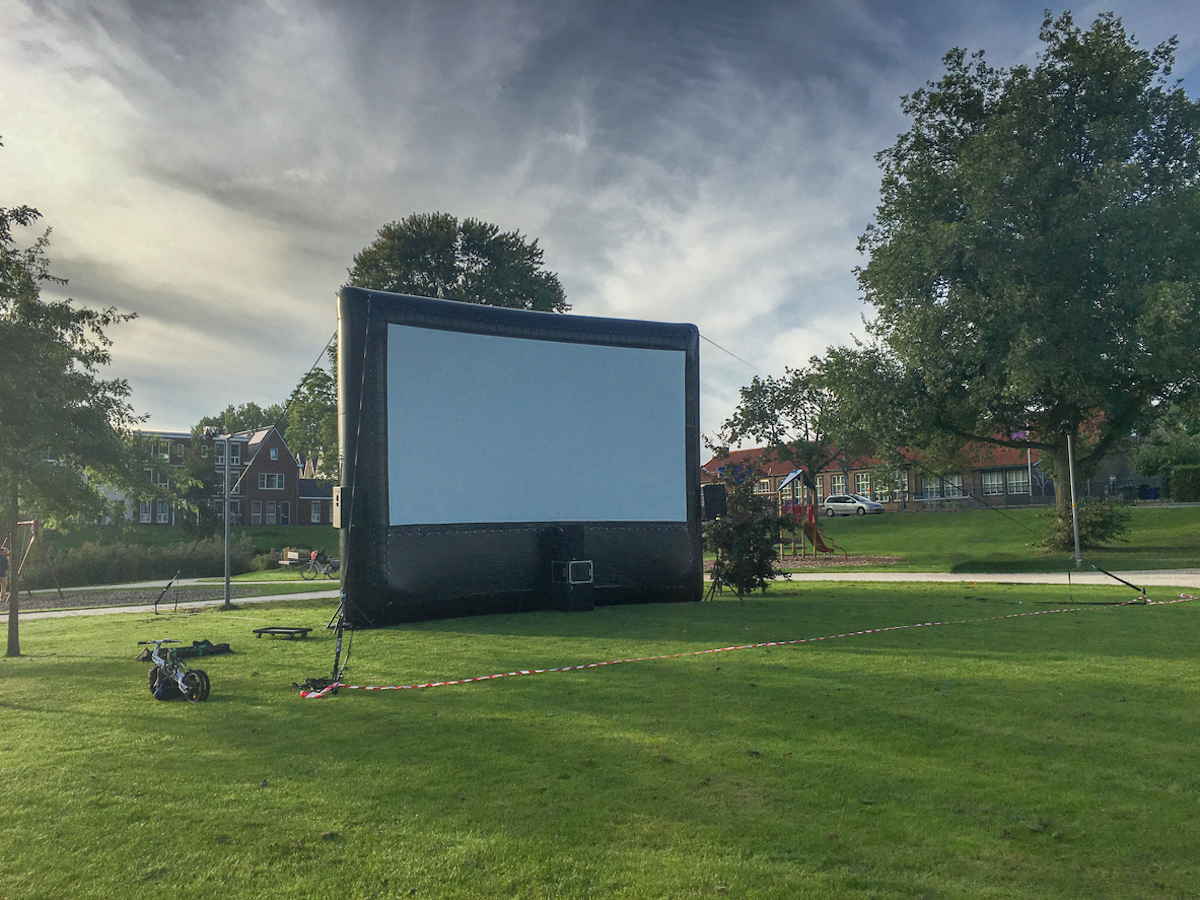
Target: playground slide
(814,536)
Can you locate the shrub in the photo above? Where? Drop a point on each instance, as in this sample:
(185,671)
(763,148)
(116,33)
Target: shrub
(111,563)
(1185,483)
(744,539)
(1101,521)
(264,561)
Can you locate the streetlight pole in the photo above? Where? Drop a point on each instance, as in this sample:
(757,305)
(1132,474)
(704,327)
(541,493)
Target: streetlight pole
(1074,508)
(227,605)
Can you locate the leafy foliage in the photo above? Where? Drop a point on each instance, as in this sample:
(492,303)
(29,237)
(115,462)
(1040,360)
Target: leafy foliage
(1185,483)
(312,421)
(436,255)
(1101,522)
(1035,259)
(245,417)
(744,539)
(797,419)
(62,424)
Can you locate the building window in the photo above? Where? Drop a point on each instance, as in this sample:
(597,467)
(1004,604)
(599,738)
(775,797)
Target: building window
(235,453)
(204,451)
(862,483)
(993,483)
(145,512)
(270,512)
(164,478)
(164,512)
(285,512)
(954,486)
(274,453)
(270,481)
(837,484)
(1018,481)
(219,453)
(763,486)
(931,487)
(315,513)
(255,512)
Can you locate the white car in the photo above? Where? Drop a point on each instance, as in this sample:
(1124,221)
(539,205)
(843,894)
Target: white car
(850,505)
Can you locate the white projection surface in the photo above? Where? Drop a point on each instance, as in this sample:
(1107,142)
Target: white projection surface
(486,429)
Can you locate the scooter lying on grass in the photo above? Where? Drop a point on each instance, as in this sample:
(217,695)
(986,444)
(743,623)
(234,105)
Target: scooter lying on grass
(171,677)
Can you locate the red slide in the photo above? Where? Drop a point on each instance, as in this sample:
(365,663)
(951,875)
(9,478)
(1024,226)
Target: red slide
(811,532)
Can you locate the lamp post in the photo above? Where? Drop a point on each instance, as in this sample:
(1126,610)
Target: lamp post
(216,435)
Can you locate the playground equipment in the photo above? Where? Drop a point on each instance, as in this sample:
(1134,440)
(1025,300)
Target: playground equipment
(17,560)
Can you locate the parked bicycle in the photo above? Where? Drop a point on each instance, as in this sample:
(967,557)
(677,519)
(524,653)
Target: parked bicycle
(317,567)
(171,677)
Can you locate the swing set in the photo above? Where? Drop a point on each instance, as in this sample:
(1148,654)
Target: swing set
(17,562)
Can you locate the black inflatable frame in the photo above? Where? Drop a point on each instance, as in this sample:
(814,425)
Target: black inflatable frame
(405,573)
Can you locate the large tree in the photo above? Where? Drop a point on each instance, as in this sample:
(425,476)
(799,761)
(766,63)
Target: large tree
(1035,259)
(312,423)
(436,255)
(63,429)
(797,419)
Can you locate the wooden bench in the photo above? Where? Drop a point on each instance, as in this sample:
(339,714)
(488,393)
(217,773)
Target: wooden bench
(289,633)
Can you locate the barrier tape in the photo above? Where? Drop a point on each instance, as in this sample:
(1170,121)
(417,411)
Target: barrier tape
(1140,601)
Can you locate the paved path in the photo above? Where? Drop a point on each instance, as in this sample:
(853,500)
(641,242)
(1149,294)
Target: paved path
(1185,578)
(167,606)
(1159,577)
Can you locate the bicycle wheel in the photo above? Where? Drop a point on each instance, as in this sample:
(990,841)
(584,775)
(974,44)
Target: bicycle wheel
(309,572)
(192,686)
(205,685)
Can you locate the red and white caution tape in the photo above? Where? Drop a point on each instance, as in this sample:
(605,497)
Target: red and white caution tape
(1183,598)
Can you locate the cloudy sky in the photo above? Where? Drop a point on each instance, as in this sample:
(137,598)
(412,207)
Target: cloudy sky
(214,166)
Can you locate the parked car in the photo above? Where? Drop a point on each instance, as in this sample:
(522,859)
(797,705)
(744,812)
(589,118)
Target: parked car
(850,505)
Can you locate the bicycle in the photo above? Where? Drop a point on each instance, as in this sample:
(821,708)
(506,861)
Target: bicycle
(316,568)
(170,675)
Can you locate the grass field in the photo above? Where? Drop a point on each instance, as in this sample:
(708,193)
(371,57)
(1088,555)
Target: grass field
(982,540)
(1003,756)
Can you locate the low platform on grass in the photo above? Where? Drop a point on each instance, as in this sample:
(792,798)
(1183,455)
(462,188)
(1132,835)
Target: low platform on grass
(289,633)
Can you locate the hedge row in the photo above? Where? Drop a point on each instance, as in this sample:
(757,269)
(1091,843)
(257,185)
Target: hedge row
(1185,484)
(94,563)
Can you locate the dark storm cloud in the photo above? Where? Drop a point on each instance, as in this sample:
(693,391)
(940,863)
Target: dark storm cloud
(216,165)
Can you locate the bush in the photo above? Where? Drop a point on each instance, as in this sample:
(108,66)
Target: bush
(744,539)
(110,563)
(1185,483)
(264,561)
(1101,521)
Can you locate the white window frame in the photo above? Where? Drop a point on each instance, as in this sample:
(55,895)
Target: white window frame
(1017,481)
(993,483)
(271,481)
(954,487)
(256,512)
(862,484)
(269,516)
(837,484)
(314,514)
(762,486)
(274,453)
(145,514)
(235,453)
(164,512)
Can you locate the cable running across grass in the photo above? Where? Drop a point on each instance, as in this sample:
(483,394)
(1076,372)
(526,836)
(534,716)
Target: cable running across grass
(333,688)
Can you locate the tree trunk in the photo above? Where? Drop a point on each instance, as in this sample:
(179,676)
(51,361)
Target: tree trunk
(8,525)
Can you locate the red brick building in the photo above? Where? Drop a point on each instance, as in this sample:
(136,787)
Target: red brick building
(266,486)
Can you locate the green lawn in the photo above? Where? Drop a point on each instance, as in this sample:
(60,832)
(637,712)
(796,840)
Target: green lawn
(1044,756)
(983,540)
